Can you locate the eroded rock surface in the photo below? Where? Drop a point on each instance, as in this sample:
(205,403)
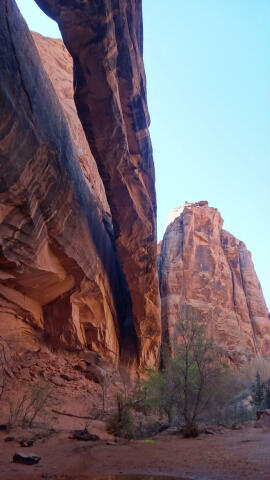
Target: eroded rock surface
(59,269)
(59,67)
(205,268)
(105,41)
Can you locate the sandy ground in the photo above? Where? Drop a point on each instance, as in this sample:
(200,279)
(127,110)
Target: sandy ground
(231,455)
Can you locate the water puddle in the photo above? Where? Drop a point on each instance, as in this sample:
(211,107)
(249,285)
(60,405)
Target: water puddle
(129,477)
(139,477)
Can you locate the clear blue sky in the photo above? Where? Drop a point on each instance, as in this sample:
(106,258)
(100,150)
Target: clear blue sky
(208,96)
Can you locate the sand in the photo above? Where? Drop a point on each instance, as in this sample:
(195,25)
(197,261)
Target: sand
(232,455)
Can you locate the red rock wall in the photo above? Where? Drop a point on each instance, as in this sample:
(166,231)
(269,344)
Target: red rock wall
(59,270)
(105,41)
(205,268)
(59,66)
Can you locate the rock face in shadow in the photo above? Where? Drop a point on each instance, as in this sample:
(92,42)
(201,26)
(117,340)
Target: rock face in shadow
(60,274)
(59,67)
(105,40)
(206,269)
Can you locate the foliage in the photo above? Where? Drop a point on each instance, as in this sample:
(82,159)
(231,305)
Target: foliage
(267,394)
(194,382)
(104,386)
(257,392)
(248,389)
(25,409)
(121,423)
(155,395)
(249,371)
(260,392)
(191,380)
(4,365)
(17,410)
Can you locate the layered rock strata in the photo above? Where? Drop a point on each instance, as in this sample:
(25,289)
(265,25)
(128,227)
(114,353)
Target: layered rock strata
(208,271)
(59,269)
(59,66)
(105,41)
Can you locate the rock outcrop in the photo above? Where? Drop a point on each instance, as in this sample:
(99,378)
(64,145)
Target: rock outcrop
(206,269)
(105,41)
(77,202)
(59,67)
(60,274)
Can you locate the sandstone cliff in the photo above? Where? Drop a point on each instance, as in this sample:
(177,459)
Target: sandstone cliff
(205,268)
(76,269)
(77,202)
(59,67)
(105,41)
(61,279)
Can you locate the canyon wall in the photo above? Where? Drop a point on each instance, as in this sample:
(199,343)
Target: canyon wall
(206,270)
(61,279)
(77,202)
(105,42)
(58,64)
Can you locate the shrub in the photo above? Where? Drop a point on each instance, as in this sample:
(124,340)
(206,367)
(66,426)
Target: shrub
(267,394)
(155,394)
(4,364)
(190,430)
(190,381)
(17,410)
(258,392)
(121,422)
(248,372)
(25,409)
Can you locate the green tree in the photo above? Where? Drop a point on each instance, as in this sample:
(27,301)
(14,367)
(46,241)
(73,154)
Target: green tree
(156,394)
(121,423)
(192,379)
(267,394)
(258,392)
(196,369)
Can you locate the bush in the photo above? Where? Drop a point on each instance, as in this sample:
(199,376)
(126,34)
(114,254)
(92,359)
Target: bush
(190,430)
(189,382)
(121,422)
(267,394)
(260,393)
(5,358)
(248,372)
(155,394)
(25,409)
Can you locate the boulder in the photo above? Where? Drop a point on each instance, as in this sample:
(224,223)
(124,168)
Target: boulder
(95,373)
(85,436)
(26,458)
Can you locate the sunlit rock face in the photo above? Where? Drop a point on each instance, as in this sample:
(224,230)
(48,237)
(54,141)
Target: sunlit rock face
(105,40)
(207,270)
(60,277)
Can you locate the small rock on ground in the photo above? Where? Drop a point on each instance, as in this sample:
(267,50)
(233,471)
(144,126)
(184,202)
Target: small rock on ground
(26,459)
